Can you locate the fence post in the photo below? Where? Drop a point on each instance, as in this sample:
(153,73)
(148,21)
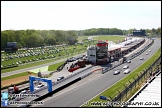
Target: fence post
(152,69)
(138,79)
(131,87)
(120,95)
(125,89)
(110,98)
(135,81)
(142,76)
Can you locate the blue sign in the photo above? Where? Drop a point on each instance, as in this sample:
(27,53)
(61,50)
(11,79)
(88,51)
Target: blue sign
(4,103)
(103,97)
(4,96)
(32,78)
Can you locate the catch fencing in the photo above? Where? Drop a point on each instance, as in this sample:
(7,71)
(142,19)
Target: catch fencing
(151,71)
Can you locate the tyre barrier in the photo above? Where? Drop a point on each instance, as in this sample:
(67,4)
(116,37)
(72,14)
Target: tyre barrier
(97,69)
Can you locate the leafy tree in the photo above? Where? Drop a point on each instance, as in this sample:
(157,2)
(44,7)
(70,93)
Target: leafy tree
(158,31)
(153,31)
(51,40)
(4,39)
(34,40)
(130,31)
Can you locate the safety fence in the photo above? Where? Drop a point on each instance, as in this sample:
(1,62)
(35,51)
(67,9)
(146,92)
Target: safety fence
(141,89)
(145,75)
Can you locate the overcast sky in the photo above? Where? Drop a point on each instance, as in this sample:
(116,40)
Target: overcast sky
(80,15)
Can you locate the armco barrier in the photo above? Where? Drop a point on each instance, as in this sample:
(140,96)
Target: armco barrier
(86,75)
(58,89)
(54,83)
(71,76)
(53,92)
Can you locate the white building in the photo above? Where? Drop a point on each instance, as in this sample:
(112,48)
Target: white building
(91,53)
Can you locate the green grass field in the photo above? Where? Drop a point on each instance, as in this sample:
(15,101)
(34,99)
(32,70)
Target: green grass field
(46,68)
(80,38)
(109,38)
(41,69)
(15,76)
(70,51)
(54,66)
(113,90)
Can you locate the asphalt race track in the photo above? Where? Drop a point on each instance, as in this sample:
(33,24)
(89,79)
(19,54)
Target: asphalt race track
(82,91)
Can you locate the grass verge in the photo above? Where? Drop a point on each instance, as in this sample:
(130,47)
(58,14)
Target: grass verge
(113,90)
(15,76)
(50,68)
(54,66)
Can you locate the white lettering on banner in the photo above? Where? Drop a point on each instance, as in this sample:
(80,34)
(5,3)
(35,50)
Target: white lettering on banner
(26,103)
(24,95)
(100,103)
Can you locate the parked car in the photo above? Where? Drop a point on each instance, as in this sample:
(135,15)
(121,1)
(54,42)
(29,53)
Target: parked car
(126,71)
(69,60)
(105,68)
(116,72)
(125,67)
(60,78)
(128,61)
(23,92)
(141,58)
(40,85)
(36,88)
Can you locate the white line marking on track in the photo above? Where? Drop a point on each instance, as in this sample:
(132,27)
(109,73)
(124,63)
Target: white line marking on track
(70,89)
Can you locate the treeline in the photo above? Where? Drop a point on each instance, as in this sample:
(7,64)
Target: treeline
(115,31)
(101,31)
(37,38)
